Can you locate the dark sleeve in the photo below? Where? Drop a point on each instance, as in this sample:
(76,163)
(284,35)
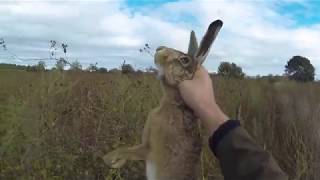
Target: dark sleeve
(240,157)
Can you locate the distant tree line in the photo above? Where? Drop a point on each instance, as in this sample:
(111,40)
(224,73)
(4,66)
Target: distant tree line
(297,68)
(75,66)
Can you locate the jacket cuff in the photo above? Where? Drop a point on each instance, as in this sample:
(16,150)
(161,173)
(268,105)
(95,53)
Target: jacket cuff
(221,132)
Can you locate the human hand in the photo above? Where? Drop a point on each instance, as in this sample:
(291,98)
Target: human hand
(198,94)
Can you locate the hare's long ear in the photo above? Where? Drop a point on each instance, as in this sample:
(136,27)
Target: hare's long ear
(207,40)
(193,45)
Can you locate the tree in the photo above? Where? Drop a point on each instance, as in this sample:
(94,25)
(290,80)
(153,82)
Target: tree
(103,70)
(300,69)
(31,68)
(75,66)
(93,67)
(41,66)
(61,63)
(114,70)
(126,68)
(230,70)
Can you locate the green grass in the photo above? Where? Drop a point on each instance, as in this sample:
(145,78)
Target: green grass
(56,125)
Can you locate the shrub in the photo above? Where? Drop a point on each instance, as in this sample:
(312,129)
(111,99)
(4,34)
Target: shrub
(230,70)
(127,68)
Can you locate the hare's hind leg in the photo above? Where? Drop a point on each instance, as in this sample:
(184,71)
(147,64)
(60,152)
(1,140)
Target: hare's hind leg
(119,157)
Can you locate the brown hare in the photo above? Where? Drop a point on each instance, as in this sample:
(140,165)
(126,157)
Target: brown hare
(171,143)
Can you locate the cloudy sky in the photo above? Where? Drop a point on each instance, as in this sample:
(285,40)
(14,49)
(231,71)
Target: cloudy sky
(260,36)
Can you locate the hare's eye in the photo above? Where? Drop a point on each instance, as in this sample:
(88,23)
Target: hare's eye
(185,61)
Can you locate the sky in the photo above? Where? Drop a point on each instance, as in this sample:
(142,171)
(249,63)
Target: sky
(260,36)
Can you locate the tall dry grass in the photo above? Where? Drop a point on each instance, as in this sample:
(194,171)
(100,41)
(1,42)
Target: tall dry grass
(56,125)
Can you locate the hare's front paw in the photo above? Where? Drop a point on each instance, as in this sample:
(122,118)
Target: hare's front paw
(115,159)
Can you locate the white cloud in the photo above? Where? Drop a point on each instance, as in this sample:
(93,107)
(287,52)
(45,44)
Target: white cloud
(254,35)
(41,9)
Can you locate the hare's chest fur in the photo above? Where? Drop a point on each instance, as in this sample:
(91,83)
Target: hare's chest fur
(175,144)
(150,170)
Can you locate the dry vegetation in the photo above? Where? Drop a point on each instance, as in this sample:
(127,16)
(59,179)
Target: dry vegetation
(57,125)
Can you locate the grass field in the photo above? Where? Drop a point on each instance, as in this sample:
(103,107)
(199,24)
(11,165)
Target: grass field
(56,125)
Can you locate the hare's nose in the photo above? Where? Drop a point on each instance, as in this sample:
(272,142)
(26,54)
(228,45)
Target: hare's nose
(160,48)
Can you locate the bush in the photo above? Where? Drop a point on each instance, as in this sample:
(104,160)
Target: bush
(75,66)
(61,64)
(103,70)
(92,67)
(230,70)
(127,68)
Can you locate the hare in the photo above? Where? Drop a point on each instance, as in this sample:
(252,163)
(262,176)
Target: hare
(171,143)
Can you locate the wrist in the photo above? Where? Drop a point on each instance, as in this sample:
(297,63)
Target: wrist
(212,117)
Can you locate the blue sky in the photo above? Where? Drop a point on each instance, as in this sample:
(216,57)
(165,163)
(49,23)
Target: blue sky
(260,36)
(141,3)
(304,13)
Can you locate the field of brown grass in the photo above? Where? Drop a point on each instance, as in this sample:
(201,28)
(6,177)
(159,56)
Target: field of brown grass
(56,125)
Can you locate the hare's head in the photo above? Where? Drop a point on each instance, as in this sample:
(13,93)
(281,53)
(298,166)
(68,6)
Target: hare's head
(175,66)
